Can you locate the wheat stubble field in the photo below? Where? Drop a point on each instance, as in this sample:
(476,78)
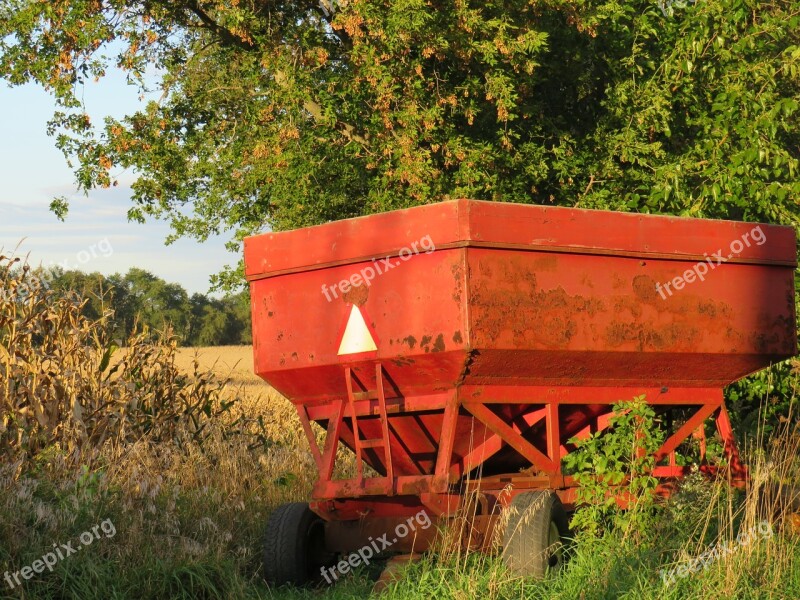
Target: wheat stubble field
(235,365)
(233,362)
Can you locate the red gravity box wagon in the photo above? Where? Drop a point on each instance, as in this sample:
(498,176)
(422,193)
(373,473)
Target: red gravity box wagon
(455,348)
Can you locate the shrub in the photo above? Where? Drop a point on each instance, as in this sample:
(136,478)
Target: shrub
(616,462)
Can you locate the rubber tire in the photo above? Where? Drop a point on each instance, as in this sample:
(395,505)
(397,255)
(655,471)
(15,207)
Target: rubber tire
(294,545)
(535,519)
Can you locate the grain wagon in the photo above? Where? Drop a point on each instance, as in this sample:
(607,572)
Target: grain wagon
(456,348)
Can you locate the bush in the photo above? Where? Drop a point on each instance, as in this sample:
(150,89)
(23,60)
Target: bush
(617,461)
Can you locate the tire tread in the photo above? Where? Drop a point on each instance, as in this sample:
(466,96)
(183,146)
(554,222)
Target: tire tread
(526,537)
(284,546)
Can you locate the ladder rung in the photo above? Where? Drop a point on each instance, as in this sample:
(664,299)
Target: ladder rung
(372,443)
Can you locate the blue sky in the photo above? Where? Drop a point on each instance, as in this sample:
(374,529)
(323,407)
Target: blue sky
(34,171)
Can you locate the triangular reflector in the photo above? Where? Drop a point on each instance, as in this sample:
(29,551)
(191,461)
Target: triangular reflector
(357,337)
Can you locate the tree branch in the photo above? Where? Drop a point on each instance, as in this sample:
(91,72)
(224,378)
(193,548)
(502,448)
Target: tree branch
(316,112)
(225,35)
(229,38)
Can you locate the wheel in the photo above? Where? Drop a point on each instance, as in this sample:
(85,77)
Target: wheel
(536,534)
(294,545)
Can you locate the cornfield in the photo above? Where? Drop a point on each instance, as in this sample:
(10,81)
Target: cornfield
(64,381)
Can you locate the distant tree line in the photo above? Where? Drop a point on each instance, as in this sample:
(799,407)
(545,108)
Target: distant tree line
(141,299)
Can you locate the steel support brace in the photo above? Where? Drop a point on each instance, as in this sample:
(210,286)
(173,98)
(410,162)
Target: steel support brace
(553,434)
(514,439)
(444,456)
(491,445)
(738,469)
(687,429)
(302,413)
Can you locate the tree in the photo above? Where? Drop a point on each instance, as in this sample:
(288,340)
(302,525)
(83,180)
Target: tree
(239,305)
(288,113)
(157,303)
(215,327)
(94,288)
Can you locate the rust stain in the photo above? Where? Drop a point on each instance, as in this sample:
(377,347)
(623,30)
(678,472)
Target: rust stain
(511,308)
(438,345)
(410,340)
(457,338)
(629,304)
(403,361)
(512,303)
(618,281)
(545,263)
(670,337)
(465,370)
(774,335)
(645,288)
(458,275)
(691,319)
(761,341)
(356,295)
(426,342)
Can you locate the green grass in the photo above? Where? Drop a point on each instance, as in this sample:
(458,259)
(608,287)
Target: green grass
(170,552)
(189,525)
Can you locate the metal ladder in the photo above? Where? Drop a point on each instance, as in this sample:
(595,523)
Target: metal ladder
(383,441)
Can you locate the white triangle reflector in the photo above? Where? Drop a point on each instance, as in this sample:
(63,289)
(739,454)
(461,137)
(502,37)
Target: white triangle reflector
(357,337)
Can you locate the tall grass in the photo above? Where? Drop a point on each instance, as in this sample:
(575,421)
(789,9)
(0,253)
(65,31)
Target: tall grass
(756,532)
(65,387)
(90,432)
